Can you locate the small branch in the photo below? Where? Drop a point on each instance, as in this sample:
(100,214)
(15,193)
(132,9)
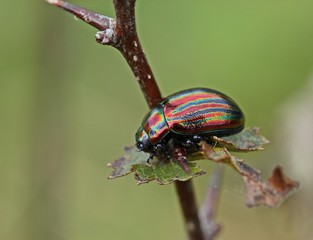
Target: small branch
(121,34)
(94,19)
(209,208)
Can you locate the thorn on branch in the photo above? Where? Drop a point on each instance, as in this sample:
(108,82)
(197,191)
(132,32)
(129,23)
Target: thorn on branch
(96,20)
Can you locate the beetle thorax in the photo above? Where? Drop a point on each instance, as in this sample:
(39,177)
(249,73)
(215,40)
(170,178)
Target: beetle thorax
(155,125)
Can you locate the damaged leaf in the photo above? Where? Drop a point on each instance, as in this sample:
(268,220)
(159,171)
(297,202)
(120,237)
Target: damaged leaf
(123,165)
(223,156)
(245,141)
(272,192)
(163,172)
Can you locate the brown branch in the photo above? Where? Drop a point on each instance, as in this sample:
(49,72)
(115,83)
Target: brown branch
(94,19)
(121,34)
(188,206)
(187,198)
(127,42)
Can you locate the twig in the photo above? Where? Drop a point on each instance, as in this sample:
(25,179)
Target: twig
(209,208)
(94,19)
(121,34)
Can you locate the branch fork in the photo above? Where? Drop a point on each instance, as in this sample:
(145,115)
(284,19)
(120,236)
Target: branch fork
(121,34)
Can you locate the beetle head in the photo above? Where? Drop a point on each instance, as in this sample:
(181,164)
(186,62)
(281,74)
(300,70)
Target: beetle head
(142,140)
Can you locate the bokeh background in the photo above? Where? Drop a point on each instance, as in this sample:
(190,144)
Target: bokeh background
(69,105)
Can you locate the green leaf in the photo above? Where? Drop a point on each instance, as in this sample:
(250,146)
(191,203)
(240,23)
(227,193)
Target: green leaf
(123,165)
(270,193)
(165,173)
(245,141)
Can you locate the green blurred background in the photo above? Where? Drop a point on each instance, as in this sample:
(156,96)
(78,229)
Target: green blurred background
(69,105)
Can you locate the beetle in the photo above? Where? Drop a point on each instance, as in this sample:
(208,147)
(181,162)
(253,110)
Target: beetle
(188,117)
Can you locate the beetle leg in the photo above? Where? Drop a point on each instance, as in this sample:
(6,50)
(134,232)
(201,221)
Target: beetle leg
(158,146)
(180,156)
(187,143)
(197,139)
(150,157)
(190,144)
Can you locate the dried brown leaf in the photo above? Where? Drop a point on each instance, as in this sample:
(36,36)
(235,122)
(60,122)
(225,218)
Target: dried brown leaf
(271,193)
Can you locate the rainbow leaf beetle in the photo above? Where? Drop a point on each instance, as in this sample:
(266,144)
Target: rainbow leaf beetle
(189,116)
